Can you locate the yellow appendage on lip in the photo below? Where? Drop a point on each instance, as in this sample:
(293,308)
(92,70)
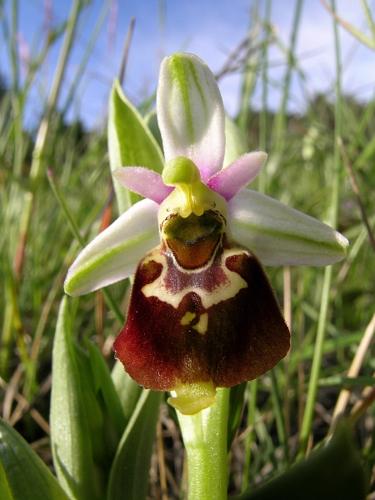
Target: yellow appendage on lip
(187,318)
(201,326)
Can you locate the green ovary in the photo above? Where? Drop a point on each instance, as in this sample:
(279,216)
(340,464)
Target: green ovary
(191,398)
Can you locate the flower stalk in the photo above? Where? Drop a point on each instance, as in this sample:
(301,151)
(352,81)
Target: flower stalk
(205,439)
(324,305)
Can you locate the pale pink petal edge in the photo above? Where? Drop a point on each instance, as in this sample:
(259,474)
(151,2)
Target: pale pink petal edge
(143,181)
(238,174)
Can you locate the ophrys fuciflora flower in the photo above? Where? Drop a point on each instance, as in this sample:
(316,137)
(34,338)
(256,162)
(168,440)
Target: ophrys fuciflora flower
(202,313)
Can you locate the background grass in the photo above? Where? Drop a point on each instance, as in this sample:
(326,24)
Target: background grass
(321,162)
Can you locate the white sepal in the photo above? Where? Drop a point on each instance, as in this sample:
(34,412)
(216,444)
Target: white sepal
(190,113)
(280,235)
(114,254)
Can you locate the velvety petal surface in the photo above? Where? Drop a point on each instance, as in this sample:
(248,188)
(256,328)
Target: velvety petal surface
(280,235)
(190,113)
(143,181)
(114,254)
(218,325)
(237,175)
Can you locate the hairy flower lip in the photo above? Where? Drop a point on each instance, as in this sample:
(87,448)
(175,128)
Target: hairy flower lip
(230,343)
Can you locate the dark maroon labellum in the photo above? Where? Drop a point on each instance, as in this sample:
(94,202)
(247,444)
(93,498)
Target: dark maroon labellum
(200,311)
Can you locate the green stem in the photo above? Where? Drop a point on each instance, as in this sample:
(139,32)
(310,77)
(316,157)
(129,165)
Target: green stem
(205,438)
(264,75)
(316,364)
(280,120)
(42,134)
(85,59)
(369,18)
(14,47)
(323,313)
(249,78)
(263,118)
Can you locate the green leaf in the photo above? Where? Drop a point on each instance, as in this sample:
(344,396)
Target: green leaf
(73,413)
(23,475)
(106,419)
(236,143)
(130,468)
(130,143)
(334,471)
(105,389)
(152,123)
(127,389)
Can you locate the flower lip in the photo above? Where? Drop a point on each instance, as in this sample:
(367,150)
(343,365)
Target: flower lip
(201,331)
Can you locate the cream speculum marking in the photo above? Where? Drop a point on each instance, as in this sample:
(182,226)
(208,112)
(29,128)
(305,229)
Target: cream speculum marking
(213,285)
(193,259)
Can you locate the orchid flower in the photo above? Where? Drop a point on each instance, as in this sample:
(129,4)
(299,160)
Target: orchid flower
(202,313)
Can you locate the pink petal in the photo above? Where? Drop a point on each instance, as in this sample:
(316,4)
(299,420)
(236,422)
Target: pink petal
(143,181)
(237,175)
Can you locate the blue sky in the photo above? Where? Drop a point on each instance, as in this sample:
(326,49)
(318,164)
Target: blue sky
(209,28)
